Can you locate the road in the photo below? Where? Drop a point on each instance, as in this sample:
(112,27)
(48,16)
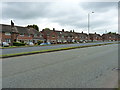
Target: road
(91,67)
(37,48)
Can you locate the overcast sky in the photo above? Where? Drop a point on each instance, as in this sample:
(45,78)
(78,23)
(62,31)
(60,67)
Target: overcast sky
(63,15)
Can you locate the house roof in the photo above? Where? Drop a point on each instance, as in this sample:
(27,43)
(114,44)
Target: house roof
(18,29)
(5,28)
(22,29)
(47,31)
(61,33)
(81,34)
(33,31)
(91,34)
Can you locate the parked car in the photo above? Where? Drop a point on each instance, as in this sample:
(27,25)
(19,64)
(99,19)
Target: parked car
(5,44)
(30,43)
(48,43)
(43,44)
(84,41)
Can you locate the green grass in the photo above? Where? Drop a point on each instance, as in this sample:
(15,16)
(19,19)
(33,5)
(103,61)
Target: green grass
(49,50)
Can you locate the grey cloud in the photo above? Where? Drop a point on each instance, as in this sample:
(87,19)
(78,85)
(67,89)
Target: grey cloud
(99,6)
(25,10)
(79,20)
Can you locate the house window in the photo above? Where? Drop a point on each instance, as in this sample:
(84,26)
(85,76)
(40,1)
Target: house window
(35,35)
(29,35)
(7,33)
(22,34)
(40,35)
(8,40)
(53,36)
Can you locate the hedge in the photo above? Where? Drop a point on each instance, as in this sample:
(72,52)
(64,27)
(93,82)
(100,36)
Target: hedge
(18,44)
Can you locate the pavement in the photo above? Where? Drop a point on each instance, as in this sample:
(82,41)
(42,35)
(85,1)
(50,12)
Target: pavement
(38,48)
(90,67)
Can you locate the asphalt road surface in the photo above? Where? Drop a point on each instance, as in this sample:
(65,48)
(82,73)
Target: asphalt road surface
(37,48)
(91,67)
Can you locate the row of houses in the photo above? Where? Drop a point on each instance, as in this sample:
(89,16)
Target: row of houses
(12,33)
(57,36)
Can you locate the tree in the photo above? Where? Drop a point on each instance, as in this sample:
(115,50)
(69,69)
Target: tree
(111,32)
(47,29)
(34,26)
(39,42)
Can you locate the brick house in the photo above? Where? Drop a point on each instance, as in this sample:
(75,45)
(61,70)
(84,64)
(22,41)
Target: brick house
(95,37)
(28,34)
(111,37)
(76,37)
(56,36)
(61,37)
(50,35)
(83,37)
(7,33)
(69,36)
(11,33)
(23,35)
(117,37)
(36,35)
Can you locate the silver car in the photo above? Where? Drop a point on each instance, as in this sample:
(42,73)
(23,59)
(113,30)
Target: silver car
(30,43)
(5,44)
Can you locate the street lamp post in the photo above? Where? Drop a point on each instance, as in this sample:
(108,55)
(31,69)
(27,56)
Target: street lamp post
(89,24)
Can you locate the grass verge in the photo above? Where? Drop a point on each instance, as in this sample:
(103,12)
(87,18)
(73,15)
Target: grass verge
(49,50)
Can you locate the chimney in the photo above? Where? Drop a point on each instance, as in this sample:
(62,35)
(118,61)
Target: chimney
(43,29)
(62,30)
(53,29)
(12,24)
(73,30)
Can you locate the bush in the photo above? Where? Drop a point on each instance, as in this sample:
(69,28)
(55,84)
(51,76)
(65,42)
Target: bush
(18,44)
(39,42)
